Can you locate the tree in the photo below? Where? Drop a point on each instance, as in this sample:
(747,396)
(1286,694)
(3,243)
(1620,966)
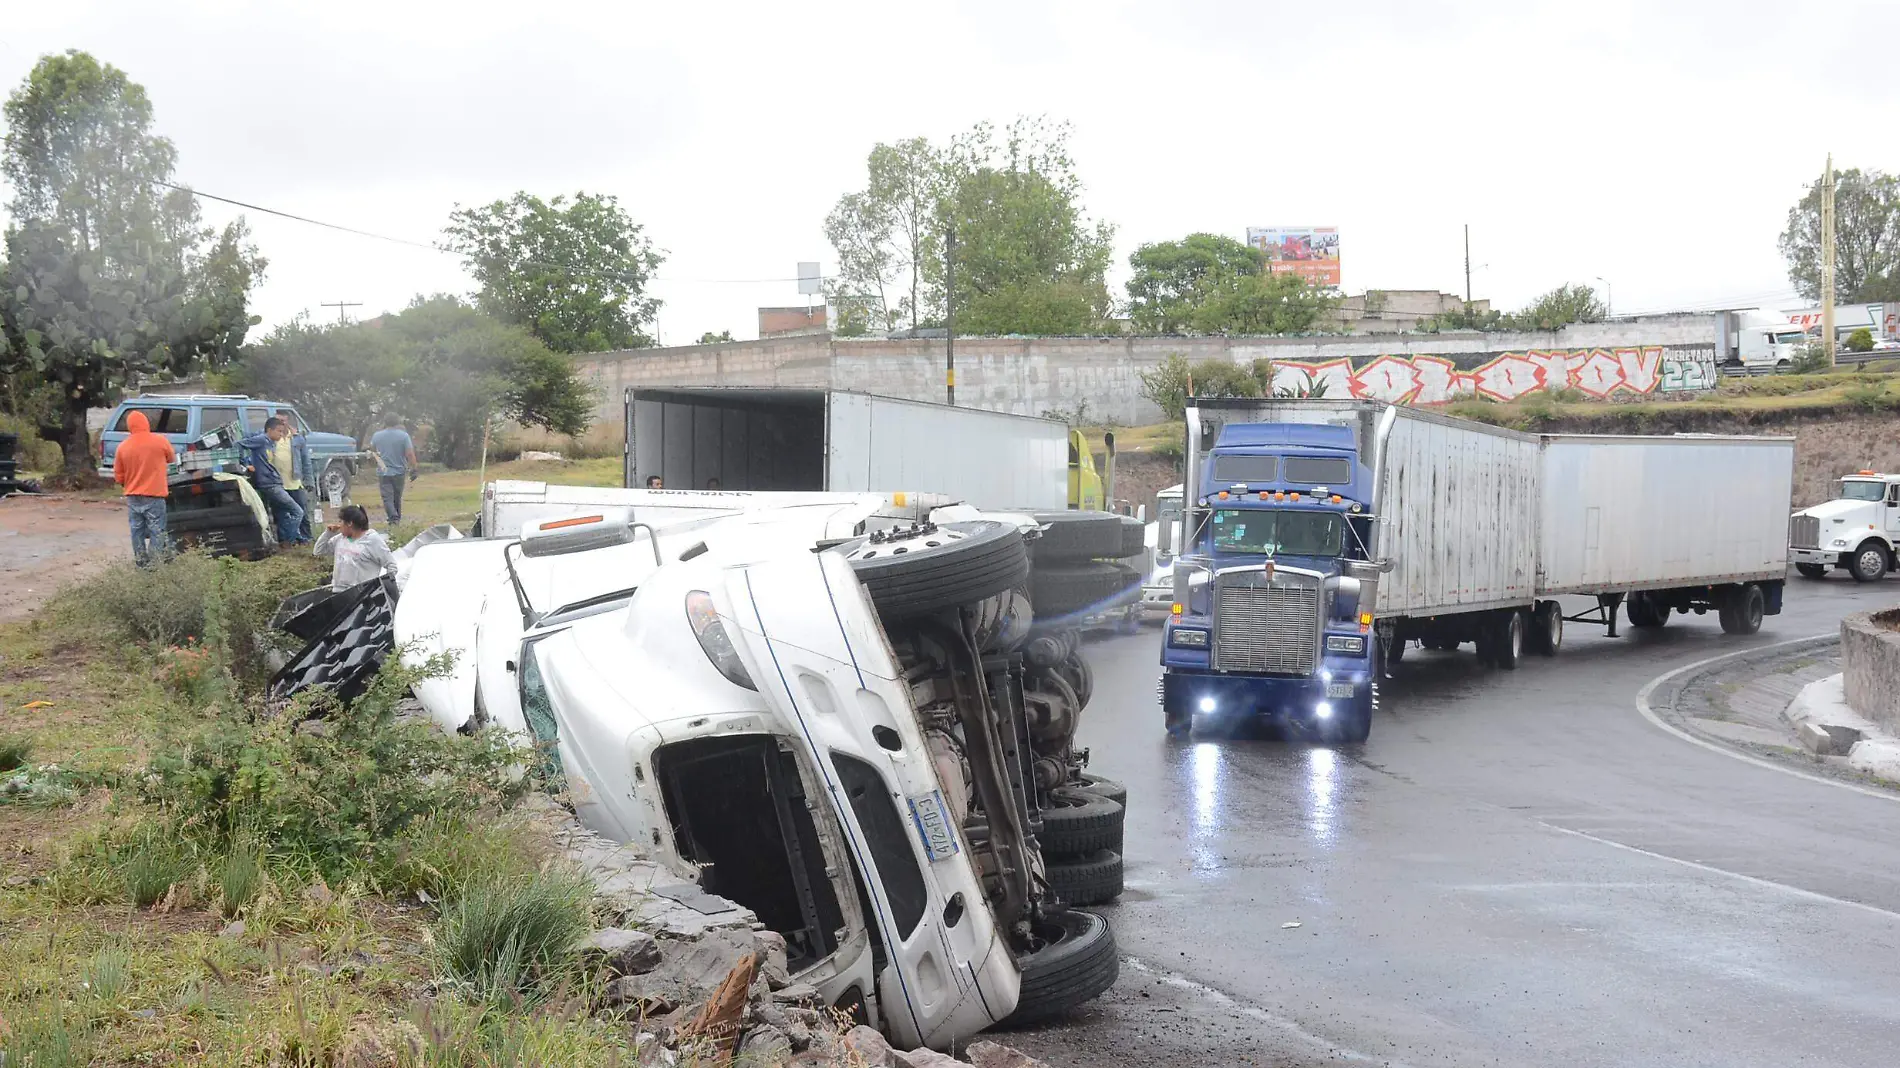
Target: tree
(1174,380)
(710,338)
(1861,340)
(1467,317)
(109,275)
(439,361)
(859,229)
(574,273)
(1261,303)
(1557,309)
(1866,236)
(1171,278)
(885,235)
(1028,261)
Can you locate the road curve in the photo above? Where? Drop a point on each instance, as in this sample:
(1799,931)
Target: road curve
(1517,869)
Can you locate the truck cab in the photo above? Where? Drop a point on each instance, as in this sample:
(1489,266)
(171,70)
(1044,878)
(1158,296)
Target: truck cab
(1273,584)
(1762,339)
(1857,531)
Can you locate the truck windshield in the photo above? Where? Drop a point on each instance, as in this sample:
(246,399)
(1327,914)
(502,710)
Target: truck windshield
(1794,338)
(1275,532)
(1863,491)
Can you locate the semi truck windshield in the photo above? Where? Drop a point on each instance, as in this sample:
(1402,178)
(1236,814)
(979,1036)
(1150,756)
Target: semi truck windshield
(1275,532)
(1863,491)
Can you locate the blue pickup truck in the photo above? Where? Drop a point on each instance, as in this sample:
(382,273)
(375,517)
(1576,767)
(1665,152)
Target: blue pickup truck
(185,419)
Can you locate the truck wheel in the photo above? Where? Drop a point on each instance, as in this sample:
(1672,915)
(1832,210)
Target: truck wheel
(1076,821)
(1547,628)
(1076,962)
(920,569)
(1813,571)
(1869,562)
(1056,591)
(1095,879)
(1101,787)
(1644,612)
(1072,537)
(1134,538)
(335,482)
(1742,610)
(1355,725)
(1507,645)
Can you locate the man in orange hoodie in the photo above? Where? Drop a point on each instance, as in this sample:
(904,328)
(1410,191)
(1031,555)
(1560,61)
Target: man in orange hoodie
(139,466)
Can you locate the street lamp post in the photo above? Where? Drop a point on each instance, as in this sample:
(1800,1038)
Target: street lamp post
(1609,297)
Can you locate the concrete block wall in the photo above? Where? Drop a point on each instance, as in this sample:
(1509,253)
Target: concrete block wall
(1033,375)
(1870,660)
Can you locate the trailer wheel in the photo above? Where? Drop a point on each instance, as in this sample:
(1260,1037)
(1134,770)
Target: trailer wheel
(1076,821)
(1072,537)
(1108,788)
(1095,879)
(1813,571)
(1644,612)
(1869,562)
(1134,537)
(924,568)
(1507,647)
(1742,610)
(1547,628)
(1076,961)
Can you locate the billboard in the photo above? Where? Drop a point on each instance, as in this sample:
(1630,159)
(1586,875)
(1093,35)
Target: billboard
(1312,252)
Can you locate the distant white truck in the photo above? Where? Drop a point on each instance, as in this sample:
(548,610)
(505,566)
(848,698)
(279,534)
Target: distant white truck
(1761,338)
(1856,531)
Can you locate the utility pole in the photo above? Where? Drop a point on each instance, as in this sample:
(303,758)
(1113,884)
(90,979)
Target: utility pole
(1467,263)
(1827,260)
(950,313)
(340,305)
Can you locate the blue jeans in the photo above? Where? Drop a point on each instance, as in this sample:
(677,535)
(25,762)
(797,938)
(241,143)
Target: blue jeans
(147,516)
(284,510)
(302,497)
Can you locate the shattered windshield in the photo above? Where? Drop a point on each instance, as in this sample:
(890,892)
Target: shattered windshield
(1273,532)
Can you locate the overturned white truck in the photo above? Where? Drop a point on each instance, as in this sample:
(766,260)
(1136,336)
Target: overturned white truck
(839,713)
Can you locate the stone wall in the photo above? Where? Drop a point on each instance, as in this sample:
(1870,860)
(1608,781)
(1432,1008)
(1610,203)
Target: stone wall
(1870,659)
(1033,375)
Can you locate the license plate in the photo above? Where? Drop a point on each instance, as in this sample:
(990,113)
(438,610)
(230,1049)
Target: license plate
(933,826)
(1339,689)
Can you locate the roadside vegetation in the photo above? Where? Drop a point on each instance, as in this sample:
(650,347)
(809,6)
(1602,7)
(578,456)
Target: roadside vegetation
(195,875)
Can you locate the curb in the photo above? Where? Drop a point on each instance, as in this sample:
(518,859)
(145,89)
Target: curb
(1665,688)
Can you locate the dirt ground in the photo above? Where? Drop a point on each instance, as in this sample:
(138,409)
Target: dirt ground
(48,541)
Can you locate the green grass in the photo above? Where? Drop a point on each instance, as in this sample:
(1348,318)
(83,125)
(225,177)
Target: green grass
(514,938)
(444,496)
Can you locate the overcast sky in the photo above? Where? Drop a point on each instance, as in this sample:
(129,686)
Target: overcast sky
(1656,145)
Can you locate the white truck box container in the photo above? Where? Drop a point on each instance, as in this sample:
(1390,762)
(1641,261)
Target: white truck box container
(1631,513)
(815,440)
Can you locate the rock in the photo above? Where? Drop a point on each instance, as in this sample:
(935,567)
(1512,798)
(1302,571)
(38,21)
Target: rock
(924,1058)
(651,994)
(763,1046)
(1815,739)
(703,964)
(770,1015)
(868,1046)
(537,456)
(774,968)
(18,882)
(319,893)
(234,929)
(145,1014)
(620,951)
(364,1048)
(797,994)
(992,1055)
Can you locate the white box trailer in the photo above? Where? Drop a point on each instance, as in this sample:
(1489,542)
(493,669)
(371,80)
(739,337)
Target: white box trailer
(1624,514)
(826,440)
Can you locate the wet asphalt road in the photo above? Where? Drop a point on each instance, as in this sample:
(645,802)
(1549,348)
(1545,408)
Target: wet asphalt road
(1517,869)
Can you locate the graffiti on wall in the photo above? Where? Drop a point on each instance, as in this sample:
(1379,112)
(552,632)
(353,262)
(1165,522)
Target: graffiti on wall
(1600,373)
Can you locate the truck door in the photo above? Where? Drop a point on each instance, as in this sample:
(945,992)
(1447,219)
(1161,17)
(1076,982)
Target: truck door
(1891,523)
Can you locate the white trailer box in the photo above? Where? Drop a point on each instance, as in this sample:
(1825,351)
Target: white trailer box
(813,440)
(1635,513)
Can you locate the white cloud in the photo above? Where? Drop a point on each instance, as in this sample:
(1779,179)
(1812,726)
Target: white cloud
(1655,145)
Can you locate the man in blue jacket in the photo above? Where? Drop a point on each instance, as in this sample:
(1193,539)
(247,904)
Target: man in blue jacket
(269,480)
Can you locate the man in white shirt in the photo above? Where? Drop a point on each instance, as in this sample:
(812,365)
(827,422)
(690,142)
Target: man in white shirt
(361,553)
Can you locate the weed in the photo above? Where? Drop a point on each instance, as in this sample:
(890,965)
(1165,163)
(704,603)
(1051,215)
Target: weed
(45,1038)
(14,751)
(513,938)
(107,975)
(150,863)
(443,853)
(240,878)
(1869,395)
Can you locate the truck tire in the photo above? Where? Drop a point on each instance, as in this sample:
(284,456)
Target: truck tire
(1176,717)
(1069,589)
(1813,571)
(1507,641)
(925,568)
(1072,537)
(1095,879)
(1099,786)
(335,481)
(1742,610)
(1645,613)
(1134,538)
(1078,822)
(1076,962)
(1547,628)
(1869,562)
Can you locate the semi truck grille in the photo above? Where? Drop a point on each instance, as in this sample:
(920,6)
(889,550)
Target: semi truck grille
(1267,628)
(1804,532)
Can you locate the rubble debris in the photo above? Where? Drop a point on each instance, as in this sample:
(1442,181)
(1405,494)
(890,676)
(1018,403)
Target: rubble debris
(347,655)
(994,1055)
(621,952)
(714,1032)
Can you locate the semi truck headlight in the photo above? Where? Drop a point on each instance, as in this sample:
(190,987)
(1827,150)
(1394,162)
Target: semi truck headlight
(1323,710)
(1207,704)
(1188,638)
(1840,543)
(713,638)
(1345,643)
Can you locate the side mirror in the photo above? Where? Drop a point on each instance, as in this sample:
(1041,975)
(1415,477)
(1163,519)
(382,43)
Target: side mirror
(576,534)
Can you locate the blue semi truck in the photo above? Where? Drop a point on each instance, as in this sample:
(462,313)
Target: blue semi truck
(1320,538)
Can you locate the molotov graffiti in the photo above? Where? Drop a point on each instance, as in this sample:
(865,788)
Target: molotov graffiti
(1504,376)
